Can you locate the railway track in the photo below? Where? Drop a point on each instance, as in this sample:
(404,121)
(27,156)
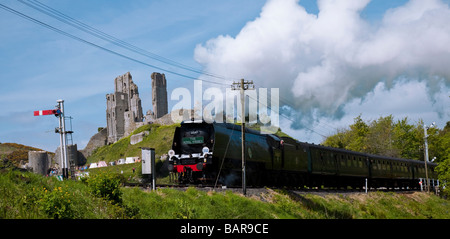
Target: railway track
(257,190)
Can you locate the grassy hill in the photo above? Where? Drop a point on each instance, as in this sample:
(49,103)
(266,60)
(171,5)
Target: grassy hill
(159,138)
(15,152)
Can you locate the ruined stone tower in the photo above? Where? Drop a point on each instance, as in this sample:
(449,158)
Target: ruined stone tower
(123,108)
(159,95)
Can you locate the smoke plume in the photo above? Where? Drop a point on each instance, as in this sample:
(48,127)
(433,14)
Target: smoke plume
(322,62)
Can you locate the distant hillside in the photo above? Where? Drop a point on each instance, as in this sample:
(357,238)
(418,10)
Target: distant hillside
(16,152)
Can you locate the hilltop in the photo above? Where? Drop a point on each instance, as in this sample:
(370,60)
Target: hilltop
(16,153)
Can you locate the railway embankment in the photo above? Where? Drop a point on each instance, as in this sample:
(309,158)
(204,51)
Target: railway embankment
(27,195)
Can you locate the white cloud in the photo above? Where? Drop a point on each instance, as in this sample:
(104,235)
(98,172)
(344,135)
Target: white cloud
(323,62)
(404,99)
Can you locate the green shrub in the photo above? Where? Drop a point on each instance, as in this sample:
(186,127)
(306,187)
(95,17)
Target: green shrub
(106,185)
(57,203)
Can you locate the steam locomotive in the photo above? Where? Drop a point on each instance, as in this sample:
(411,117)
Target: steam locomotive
(207,153)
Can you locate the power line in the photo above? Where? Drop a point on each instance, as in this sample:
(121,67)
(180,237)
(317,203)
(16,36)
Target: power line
(86,28)
(98,46)
(104,36)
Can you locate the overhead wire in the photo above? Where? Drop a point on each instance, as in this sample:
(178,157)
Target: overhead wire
(104,36)
(98,46)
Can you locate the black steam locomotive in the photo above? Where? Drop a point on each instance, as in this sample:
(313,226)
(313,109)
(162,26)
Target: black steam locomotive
(206,153)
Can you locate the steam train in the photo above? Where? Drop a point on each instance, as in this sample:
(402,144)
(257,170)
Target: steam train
(207,153)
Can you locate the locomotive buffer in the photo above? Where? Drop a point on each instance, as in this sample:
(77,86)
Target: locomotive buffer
(243,86)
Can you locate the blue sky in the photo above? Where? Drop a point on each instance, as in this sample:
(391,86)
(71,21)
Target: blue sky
(229,38)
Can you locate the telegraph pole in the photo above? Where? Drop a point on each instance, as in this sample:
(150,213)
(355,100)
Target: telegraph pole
(243,86)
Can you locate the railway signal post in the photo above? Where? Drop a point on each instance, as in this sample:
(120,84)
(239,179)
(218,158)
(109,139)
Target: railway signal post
(59,112)
(243,86)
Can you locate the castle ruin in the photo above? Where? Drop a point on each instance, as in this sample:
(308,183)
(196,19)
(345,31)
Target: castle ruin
(159,95)
(123,107)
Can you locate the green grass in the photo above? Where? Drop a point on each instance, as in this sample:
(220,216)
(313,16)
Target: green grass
(160,138)
(27,195)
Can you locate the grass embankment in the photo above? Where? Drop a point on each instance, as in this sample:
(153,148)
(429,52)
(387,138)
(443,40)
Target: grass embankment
(159,137)
(27,195)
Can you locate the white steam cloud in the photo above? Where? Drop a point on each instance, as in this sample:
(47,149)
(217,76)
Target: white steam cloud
(322,62)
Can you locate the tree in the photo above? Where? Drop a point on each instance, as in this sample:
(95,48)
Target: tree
(386,137)
(439,143)
(380,138)
(338,140)
(358,133)
(442,151)
(408,139)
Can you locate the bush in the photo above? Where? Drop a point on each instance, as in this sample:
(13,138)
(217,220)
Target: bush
(106,185)
(57,203)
